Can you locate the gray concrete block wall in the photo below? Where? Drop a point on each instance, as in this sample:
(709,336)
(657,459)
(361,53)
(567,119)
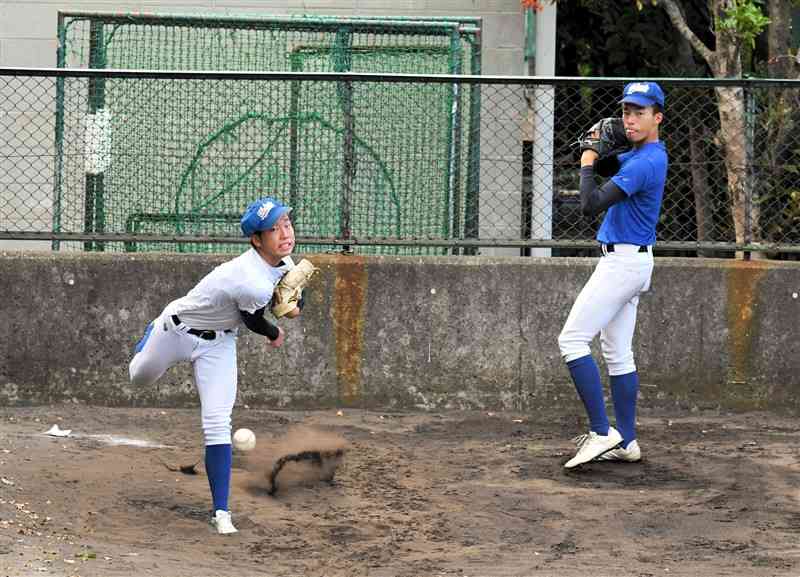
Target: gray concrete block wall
(404,333)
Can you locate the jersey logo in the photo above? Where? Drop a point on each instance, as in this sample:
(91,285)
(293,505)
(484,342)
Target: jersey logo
(639,87)
(265,209)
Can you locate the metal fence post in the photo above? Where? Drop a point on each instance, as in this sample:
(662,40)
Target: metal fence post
(749,136)
(59,131)
(453,201)
(343,63)
(471,199)
(94,201)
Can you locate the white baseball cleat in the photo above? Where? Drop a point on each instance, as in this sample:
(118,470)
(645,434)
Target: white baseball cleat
(592,445)
(632,453)
(222,522)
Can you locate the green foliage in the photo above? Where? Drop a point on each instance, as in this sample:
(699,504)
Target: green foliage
(603,38)
(745,20)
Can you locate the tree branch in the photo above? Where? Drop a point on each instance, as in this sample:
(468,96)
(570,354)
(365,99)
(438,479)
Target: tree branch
(679,22)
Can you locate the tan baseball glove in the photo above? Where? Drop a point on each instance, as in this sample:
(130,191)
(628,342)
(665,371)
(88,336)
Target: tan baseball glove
(290,288)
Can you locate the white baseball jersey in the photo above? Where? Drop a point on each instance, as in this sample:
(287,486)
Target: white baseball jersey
(245,283)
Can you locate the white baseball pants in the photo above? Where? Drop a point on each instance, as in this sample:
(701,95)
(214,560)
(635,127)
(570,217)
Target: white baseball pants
(607,305)
(213,363)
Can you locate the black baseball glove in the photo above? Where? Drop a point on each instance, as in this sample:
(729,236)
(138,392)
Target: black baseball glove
(608,139)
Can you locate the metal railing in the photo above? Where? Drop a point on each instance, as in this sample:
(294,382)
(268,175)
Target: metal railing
(116,160)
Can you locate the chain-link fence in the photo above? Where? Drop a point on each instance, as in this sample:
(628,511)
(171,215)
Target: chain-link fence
(329,146)
(403,164)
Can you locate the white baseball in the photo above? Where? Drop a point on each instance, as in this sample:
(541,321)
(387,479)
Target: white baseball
(244,440)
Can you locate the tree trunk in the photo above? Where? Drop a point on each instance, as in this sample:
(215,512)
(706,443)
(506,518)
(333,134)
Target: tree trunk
(726,62)
(732,130)
(781,65)
(779,38)
(698,135)
(778,105)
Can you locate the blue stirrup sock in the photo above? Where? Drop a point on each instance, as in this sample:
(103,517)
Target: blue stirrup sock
(218,468)
(586,377)
(624,392)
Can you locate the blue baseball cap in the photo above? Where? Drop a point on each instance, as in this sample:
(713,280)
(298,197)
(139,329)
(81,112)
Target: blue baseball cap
(262,214)
(643,94)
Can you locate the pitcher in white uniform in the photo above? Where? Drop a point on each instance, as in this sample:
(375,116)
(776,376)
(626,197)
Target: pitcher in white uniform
(631,200)
(202,327)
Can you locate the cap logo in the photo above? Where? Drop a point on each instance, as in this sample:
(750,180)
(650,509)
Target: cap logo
(639,87)
(265,209)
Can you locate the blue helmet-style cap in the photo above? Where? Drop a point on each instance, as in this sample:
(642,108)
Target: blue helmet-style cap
(262,214)
(643,94)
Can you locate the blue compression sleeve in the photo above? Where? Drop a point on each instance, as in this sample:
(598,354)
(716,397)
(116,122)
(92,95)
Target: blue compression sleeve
(258,324)
(596,199)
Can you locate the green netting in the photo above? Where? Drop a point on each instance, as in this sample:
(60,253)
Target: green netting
(354,159)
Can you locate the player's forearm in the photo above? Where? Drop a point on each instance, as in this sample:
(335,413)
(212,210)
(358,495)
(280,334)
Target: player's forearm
(595,199)
(258,324)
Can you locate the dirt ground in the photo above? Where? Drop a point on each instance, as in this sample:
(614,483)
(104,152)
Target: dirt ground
(455,494)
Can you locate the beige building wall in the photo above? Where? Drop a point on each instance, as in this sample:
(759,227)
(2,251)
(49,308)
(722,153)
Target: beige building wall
(28,27)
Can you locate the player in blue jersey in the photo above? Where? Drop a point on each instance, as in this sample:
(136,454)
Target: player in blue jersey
(608,302)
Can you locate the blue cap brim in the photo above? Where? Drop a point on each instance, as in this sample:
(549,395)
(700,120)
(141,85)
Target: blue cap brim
(638,100)
(273,217)
(251,224)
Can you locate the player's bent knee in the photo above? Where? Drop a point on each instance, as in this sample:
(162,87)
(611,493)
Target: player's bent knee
(140,376)
(563,342)
(572,347)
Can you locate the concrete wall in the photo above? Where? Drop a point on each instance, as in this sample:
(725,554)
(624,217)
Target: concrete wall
(405,333)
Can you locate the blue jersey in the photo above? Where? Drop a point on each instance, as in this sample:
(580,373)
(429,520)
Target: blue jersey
(641,176)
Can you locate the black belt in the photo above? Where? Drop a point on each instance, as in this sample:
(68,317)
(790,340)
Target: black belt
(610,248)
(206,335)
